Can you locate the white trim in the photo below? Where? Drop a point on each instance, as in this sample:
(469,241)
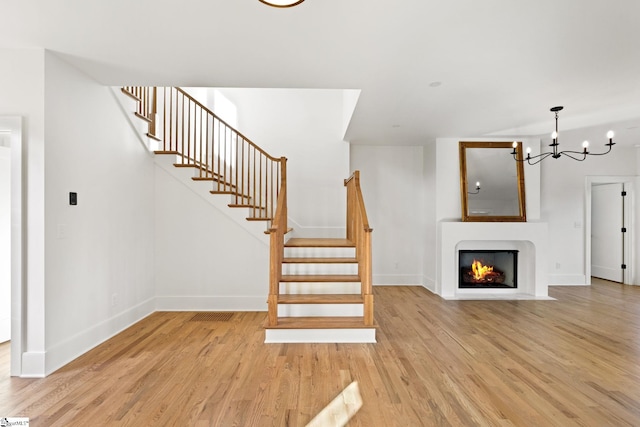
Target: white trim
(14,125)
(211,303)
(629,185)
(397,279)
(32,364)
(429,284)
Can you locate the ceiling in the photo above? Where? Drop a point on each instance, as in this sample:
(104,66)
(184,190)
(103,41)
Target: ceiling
(426,69)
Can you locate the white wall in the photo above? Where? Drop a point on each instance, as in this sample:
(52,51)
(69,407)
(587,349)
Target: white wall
(99,254)
(22,88)
(203,259)
(306,126)
(5,243)
(392,186)
(563,201)
(429,269)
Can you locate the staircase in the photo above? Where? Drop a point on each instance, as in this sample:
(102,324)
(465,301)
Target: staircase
(319,289)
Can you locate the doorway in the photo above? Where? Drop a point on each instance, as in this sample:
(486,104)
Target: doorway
(608,227)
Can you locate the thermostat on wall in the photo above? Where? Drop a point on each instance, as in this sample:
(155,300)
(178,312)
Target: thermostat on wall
(73,199)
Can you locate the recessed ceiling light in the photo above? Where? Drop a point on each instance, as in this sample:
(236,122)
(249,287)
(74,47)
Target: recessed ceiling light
(435,84)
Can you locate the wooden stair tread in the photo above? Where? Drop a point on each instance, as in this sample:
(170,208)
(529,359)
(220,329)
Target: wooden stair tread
(143,117)
(305,242)
(319,260)
(175,153)
(258,219)
(240,205)
(320,299)
(320,278)
(131,95)
(320,323)
(152,136)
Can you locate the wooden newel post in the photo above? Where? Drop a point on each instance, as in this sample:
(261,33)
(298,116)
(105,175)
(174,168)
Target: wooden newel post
(276,246)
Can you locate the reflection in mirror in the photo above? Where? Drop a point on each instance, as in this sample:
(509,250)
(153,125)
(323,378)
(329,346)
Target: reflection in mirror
(491,182)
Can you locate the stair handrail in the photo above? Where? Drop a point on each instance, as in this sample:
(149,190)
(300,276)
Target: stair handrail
(276,232)
(220,153)
(359,232)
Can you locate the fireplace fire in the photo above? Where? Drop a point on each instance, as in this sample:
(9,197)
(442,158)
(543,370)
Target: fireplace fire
(479,273)
(488,269)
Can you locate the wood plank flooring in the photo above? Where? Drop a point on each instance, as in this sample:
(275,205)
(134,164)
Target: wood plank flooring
(570,362)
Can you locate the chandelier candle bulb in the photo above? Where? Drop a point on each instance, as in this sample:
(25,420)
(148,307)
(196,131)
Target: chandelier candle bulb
(585,145)
(610,135)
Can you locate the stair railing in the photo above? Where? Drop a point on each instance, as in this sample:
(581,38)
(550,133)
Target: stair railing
(359,232)
(277,231)
(220,154)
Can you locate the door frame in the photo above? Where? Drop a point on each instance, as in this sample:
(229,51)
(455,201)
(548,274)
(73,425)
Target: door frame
(629,214)
(14,125)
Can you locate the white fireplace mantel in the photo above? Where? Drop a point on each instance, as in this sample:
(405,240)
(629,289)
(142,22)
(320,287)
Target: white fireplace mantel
(529,238)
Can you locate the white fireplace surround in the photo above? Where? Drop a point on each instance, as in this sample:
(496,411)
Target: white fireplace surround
(529,238)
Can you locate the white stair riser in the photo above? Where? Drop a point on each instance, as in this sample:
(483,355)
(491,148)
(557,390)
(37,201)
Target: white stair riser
(297,288)
(296,269)
(320,252)
(312,310)
(364,335)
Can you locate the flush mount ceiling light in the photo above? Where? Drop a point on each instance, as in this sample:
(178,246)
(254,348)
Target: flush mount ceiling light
(282,3)
(575,155)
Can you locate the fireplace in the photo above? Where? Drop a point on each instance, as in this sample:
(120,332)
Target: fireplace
(491,268)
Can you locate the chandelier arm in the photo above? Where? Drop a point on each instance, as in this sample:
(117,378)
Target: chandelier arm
(602,154)
(540,158)
(568,154)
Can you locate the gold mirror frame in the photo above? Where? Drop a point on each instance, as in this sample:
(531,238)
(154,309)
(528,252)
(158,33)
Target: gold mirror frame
(507,147)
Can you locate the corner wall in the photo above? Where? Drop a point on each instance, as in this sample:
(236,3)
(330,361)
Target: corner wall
(392,186)
(99,254)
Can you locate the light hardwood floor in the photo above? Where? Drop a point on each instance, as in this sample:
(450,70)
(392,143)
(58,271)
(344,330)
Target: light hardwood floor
(574,361)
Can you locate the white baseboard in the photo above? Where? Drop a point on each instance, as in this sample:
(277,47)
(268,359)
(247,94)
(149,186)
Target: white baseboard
(73,347)
(358,335)
(211,303)
(397,279)
(429,284)
(33,364)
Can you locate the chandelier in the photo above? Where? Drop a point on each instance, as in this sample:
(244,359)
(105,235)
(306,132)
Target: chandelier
(575,155)
(282,3)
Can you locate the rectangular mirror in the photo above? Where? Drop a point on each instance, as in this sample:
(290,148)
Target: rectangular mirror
(491,182)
